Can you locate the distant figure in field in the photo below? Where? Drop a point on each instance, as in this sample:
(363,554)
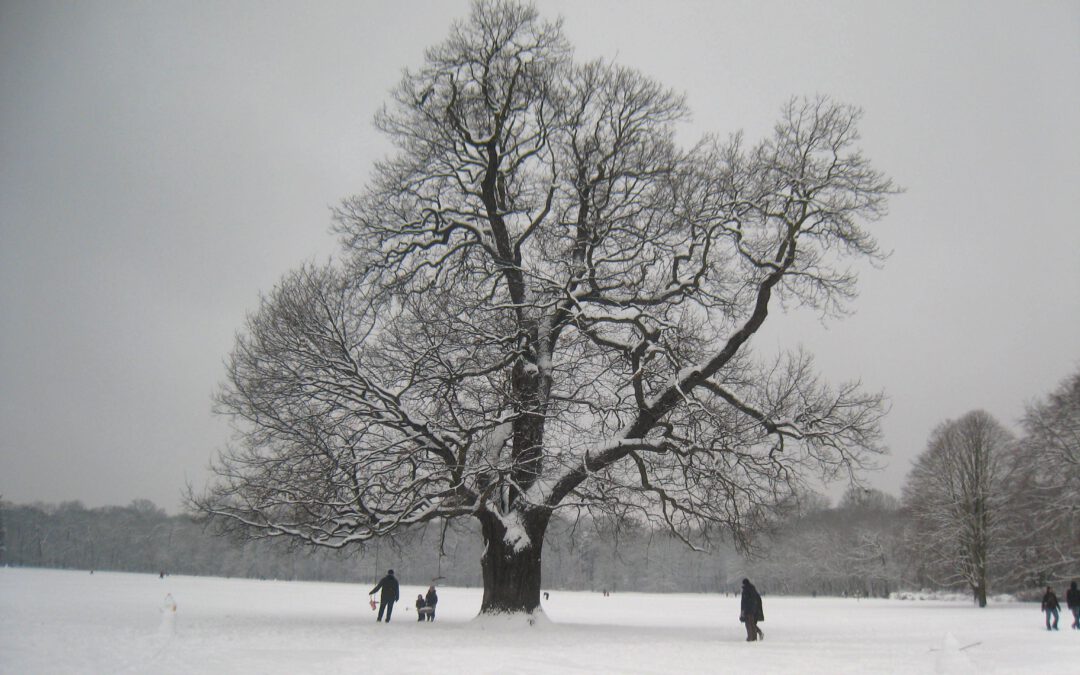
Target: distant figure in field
(389,587)
(1072,601)
(1051,607)
(430,600)
(420,607)
(751,612)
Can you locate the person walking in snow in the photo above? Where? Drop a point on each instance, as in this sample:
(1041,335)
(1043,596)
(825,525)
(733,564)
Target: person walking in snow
(430,601)
(751,612)
(1072,601)
(1051,607)
(389,587)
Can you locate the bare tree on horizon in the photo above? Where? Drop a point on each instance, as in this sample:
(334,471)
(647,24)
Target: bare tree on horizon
(957,495)
(1047,484)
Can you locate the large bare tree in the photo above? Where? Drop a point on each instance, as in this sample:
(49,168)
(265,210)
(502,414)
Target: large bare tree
(1047,484)
(957,495)
(543,303)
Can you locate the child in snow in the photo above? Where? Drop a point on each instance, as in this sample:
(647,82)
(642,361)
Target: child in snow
(419,607)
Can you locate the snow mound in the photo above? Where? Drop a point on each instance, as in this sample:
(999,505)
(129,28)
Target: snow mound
(946,596)
(511,622)
(951,660)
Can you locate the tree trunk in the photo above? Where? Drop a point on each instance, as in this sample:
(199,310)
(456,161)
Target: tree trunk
(980,573)
(980,594)
(512,569)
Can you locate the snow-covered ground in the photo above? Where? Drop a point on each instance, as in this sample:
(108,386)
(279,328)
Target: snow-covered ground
(55,621)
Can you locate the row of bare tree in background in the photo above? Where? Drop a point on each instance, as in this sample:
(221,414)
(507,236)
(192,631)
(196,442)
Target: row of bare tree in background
(987,509)
(981,511)
(143,538)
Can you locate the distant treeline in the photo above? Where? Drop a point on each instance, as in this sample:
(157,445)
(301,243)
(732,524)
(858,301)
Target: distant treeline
(855,548)
(141,537)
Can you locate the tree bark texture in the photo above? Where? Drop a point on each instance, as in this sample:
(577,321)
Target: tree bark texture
(511,573)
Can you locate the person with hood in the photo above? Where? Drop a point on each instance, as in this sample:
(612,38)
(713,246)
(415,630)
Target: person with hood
(420,607)
(1051,607)
(1072,601)
(751,612)
(430,601)
(389,587)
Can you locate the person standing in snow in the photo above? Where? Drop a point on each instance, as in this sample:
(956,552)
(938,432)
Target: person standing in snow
(751,612)
(1051,607)
(1072,601)
(389,587)
(420,607)
(430,601)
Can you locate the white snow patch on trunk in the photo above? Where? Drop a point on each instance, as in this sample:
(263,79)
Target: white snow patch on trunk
(515,536)
(491,445)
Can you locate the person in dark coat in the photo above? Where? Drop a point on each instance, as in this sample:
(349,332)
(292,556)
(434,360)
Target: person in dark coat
(420,607)
(389,587)
(1072,601)
(430,601)
(1051,606)
(751,613)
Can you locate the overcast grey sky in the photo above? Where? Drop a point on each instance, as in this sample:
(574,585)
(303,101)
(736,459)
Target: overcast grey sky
(161,163)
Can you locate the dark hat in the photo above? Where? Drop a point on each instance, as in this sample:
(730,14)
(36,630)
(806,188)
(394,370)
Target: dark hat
(745,582)
(390,571)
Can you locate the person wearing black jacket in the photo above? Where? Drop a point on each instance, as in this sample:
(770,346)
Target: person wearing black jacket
(751,613)
(1072,601)
(1051,607)
(389,587)
(430,601)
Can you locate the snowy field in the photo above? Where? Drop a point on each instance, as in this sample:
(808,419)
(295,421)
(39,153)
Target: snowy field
(55,621)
